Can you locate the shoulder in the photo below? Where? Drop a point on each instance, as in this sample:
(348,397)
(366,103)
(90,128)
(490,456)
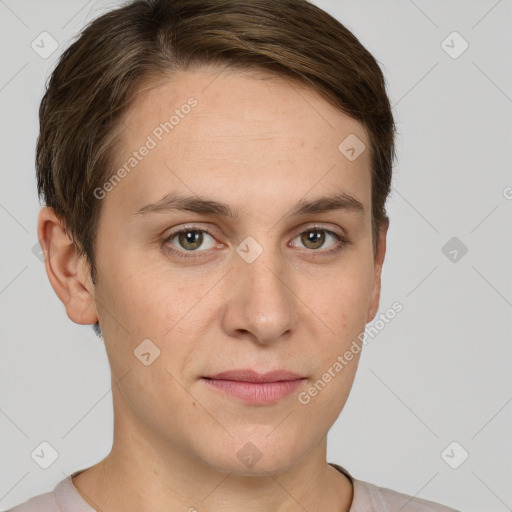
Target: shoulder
(43,502)
(369,497)
(63,498)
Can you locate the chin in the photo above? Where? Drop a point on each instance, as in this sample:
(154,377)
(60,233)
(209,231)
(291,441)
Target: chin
(257,454)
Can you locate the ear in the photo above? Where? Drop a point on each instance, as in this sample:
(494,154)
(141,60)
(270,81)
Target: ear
(377,273)
(69,273)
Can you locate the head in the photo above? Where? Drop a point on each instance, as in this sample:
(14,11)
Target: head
(215,183)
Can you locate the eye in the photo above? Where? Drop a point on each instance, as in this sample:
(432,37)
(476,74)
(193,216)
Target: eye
(190,240)
(186,243)
(314,238)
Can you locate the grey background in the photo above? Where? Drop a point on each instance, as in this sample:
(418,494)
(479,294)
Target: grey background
(437,373)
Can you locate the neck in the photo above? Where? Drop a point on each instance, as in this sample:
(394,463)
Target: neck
(144,473)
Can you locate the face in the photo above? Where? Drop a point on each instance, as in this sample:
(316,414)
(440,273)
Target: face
(238,276)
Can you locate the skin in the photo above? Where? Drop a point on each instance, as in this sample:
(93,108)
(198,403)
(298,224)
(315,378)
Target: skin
(259,144)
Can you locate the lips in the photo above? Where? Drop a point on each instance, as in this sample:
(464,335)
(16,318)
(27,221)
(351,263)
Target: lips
(255,388)
(252,376)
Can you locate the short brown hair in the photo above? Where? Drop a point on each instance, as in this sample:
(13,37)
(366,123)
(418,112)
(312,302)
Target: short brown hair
(98,76)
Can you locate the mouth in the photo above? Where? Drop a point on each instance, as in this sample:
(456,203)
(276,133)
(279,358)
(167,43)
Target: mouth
(255,388)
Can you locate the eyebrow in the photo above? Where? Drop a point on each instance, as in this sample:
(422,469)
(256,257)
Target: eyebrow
(340,201)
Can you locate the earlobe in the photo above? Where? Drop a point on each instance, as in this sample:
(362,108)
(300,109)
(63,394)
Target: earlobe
(67,271)
(377,275)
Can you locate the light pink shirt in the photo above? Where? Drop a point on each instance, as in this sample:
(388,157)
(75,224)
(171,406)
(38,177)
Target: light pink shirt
(367,498)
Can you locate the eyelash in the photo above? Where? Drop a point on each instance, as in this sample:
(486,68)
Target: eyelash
(341,241)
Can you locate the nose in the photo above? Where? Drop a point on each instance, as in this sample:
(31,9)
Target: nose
(261,303)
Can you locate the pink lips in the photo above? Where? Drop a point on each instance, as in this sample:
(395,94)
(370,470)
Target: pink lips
(256,388)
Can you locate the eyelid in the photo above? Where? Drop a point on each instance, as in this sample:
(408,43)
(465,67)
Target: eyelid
(322,227)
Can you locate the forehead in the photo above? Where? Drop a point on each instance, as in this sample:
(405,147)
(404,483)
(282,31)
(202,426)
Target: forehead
(210,129)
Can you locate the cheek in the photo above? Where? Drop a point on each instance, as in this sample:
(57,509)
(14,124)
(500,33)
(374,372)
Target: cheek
(149,303)
(344,296)
(143,296)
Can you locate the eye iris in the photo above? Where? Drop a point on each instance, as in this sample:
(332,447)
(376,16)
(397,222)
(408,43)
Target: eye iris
(190,237)
(313,237)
